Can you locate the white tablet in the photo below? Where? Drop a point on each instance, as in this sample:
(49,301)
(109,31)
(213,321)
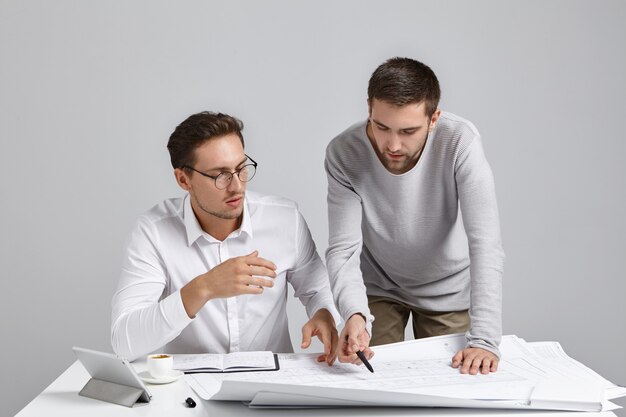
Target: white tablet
(111,368)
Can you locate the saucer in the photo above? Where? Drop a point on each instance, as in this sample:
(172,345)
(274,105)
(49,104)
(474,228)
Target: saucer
(173,376)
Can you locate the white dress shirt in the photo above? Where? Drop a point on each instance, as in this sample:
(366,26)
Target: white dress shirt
(168,248)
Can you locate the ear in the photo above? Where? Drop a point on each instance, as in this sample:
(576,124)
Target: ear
(369,108)
(434,118)
(182,179)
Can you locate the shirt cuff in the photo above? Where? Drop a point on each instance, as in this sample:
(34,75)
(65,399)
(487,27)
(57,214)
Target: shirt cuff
(330,306)
(324,302)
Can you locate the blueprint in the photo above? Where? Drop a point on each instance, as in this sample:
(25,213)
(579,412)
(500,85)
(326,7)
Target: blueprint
(419,373)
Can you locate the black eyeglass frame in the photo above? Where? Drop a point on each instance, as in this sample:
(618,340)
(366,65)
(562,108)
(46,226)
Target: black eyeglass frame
(229,173)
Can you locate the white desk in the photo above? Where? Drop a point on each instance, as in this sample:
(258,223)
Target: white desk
(61,398)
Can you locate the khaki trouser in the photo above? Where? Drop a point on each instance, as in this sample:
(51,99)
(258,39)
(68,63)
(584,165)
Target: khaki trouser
(391,318)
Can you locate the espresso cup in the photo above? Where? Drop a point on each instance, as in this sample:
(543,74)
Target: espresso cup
(160,365)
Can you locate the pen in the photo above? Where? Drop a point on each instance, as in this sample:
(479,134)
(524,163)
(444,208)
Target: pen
(363,358)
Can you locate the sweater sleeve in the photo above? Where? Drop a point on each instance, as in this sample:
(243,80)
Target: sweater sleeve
(345,241)
(479,209)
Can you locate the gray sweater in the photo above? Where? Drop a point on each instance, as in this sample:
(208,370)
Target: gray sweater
(402,236)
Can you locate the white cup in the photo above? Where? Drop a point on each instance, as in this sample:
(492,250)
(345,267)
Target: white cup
(160,365)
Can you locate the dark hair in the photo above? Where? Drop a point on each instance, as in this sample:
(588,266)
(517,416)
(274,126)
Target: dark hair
(197,129)
(402,81)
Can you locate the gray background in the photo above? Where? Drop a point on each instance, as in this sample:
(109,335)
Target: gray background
(90,91)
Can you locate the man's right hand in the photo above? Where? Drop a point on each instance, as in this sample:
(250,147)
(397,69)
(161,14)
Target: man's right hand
(354,337)
(236,276)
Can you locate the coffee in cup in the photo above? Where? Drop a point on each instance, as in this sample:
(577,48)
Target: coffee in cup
(160,365)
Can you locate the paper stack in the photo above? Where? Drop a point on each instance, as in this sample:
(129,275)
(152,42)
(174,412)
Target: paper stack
(417,373)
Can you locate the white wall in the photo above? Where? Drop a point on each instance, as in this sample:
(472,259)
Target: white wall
(90,91)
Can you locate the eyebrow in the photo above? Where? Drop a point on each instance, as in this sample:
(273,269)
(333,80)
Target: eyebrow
(404,128)
(227,168)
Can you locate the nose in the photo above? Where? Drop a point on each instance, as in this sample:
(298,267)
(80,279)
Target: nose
(236,184)
(394,144)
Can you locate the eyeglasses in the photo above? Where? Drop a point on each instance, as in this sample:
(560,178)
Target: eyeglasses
(245,174)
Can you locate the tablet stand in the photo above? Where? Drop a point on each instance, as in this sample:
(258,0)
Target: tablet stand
(111,392)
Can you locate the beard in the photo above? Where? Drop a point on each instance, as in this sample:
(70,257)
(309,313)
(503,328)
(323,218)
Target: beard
(404,164)
(226,215)
(396,166)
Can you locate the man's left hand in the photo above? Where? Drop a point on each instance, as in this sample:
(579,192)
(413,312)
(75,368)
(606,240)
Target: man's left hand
(474,360)
(322,325)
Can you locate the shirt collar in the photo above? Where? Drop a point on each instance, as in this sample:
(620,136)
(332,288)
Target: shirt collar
(194,230)
(246,223)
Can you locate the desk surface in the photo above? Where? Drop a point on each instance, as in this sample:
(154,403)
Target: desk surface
(61,398)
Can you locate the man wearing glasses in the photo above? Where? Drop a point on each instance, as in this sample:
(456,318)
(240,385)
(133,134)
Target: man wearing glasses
(207,273)
(397,185)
